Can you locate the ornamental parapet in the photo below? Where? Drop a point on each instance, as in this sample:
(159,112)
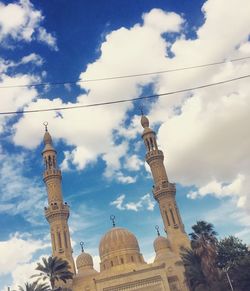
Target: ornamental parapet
(164,189)
(56,210)
(51,173)
(154,154)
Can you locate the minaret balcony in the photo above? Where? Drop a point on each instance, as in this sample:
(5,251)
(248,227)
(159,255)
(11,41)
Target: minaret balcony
(165,189)
(154,154)
(56,210)
(51,173)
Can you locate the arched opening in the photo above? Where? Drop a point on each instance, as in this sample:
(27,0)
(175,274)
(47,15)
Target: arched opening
(59,240)
(166,214)
(172,215)
(151,143)
(50,162)
(65,239)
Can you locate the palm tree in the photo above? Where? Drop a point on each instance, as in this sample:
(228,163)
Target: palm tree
(194,274)
(54,269)
(204,244)
(34,287)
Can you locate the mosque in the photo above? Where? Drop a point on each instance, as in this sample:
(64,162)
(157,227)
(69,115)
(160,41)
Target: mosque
(122,266)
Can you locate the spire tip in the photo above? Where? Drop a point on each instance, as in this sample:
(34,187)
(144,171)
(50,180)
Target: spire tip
(112,218)
(157,229)
(82,244)
(46,125)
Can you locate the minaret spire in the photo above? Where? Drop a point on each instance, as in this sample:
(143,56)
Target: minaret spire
(57,212)
(164,192)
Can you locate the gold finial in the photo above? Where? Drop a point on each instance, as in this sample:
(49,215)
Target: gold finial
(82,244)
(157,229)
(46,125)
(112,218)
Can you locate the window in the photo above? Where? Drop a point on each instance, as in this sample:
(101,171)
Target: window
(132,259)
(111,263)
(65,239)
(166,214)
(172,214)
(59,240)
(122,261)
(54,241)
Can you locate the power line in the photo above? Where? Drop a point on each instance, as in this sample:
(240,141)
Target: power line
(122,76)
(123,100)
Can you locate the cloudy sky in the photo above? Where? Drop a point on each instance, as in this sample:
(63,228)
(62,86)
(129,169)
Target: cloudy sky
(203,133)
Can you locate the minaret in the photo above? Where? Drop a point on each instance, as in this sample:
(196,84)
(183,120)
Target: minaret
(164,192)
(57,212)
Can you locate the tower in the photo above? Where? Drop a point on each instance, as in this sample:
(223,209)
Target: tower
(57,212)
(164,192)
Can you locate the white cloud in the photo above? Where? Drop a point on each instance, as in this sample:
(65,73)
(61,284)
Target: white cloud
(32,58)
(206,141)
(21,21)
(16,198)
(145,202)
(46,37)
(18,250)
(133,163)
(218,189)
(97,131)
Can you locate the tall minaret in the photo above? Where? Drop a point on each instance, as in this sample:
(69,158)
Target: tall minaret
(57,212)
(164,191)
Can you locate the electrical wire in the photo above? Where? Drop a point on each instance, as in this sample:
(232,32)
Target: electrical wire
(124,100)
(123,76)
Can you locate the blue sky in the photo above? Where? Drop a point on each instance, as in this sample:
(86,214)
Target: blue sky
(204,134)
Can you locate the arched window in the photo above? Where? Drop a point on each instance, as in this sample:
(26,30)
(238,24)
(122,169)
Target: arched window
(65,239)
(50,162)
(166,214)
(54,162)
(54,241)
(172,215)
(45,163)
(59,240)
(151,143)
(148,145)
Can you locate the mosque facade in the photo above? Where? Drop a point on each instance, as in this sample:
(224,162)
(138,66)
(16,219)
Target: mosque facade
(122,266)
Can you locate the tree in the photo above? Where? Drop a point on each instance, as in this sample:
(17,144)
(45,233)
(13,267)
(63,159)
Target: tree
(34,287)
(240,274)
(231,252)
(53,269)
(194,274)
(204,245)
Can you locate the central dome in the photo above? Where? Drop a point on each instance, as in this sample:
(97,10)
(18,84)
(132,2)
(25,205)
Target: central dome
(119,249)
(117,239)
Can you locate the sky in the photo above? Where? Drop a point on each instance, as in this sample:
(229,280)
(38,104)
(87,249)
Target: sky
(204,133)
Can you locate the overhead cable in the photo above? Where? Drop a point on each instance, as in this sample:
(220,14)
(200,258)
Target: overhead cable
(123,100)
(123,76)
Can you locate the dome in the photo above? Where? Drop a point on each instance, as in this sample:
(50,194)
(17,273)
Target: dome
(117,239)
(161,243)
(144,121)
(84,260)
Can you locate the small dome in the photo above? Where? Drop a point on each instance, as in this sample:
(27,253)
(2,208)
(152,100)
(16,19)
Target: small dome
(144,121)
(161,243)
(118,239)
(84,260)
